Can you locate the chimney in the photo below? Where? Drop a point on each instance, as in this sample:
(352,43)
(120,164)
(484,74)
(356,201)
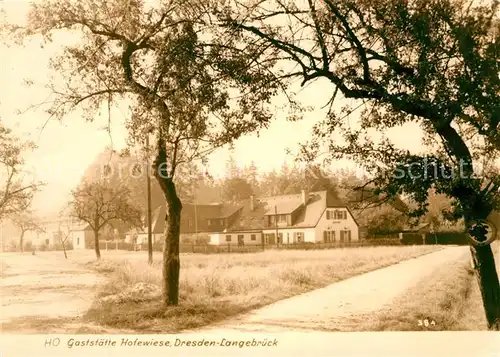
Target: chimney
(304,197)
(252,202)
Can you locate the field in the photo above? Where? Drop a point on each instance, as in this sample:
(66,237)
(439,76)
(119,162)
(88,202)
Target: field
(215,287)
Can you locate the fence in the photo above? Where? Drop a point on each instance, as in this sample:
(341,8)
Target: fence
(214,249)
(29,247)
(441,238)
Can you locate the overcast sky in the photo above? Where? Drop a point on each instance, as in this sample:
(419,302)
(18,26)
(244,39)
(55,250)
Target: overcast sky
(66,149)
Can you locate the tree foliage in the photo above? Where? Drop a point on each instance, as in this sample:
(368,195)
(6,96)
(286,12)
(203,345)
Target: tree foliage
(192,84)
(431,63)
(434,63)
(101,205)
(236,188)
(16,190)
(26,221)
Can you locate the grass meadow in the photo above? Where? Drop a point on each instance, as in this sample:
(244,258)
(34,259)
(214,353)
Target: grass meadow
(218,286)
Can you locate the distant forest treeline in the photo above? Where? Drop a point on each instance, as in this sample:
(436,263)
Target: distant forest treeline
(198,186)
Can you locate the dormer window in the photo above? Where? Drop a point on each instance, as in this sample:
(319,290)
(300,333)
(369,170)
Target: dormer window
(337,214)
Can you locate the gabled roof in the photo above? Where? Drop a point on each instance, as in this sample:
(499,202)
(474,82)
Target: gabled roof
(81,226)
(417,228)
(282,204)
(307,216)
(246,219)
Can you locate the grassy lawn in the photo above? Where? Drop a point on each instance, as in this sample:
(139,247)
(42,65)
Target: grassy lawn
(218,286)
(449,299)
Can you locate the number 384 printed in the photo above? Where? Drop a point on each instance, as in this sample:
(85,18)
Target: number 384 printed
(426,323)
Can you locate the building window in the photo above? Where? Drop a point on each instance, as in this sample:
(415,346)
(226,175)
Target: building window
(269,238)
(190,223)
(253,237)
(47,241)
(330,215)
(241,239)
(288,238)
(299,237)
(340,215)
(345,235)
(228,238)
(209,222)
(280,238)
(77,240)
(107,170)
(328,236)
(221,222)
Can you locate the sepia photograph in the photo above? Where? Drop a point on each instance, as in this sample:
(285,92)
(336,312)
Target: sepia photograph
(237,177)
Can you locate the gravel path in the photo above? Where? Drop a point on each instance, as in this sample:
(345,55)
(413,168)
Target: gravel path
(339,306)
(41,293)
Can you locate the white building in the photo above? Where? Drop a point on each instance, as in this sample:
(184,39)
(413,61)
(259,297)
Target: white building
(315,217)
(75,233)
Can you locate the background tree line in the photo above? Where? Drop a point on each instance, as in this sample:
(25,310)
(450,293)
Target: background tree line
(197,186)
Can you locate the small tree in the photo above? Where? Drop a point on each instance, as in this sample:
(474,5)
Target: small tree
(63,234)
(26,222)
(99,205)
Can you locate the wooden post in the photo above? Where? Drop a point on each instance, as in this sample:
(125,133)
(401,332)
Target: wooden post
(148,179)
(276,224)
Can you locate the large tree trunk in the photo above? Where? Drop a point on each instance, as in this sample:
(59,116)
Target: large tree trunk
(96,243)
(150,233)
(476,207)
(486,273)
(171,260)
(487,278)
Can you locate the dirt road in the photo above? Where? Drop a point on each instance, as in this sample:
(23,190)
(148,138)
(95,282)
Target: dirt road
(340,306)
(42,294)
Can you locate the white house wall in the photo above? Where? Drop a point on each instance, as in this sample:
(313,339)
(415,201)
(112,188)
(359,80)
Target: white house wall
(214,239)
(220,238)
(337,225)
(78,239)
(142,238)
(308,233)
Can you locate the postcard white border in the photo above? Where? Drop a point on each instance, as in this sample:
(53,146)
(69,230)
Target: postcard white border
(318,344)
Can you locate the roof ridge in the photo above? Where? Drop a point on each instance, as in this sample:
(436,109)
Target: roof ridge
(291,194)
